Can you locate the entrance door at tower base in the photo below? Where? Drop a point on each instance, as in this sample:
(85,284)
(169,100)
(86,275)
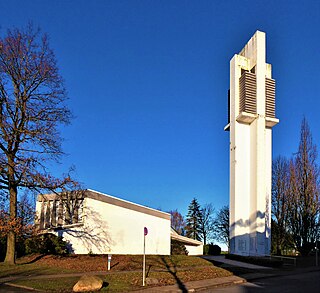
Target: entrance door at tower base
(250,245)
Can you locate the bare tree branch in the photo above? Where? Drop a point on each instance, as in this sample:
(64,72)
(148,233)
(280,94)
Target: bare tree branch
(32,107)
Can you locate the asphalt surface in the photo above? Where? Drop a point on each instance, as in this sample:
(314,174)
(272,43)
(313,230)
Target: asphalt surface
(296,283)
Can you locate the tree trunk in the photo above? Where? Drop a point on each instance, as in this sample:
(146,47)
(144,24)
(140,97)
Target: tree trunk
(11,248)
(11,238)
(278,250)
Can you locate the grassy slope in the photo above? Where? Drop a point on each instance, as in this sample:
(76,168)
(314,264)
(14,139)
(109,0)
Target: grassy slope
(166,269)
(86,263)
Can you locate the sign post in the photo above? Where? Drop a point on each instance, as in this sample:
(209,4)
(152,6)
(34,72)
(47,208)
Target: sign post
(145,233)
(316,253)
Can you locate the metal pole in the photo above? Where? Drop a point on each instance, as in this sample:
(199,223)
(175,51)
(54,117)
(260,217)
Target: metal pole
(316,253)
(144,260)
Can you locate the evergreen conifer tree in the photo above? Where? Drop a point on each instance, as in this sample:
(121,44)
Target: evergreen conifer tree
(194,220)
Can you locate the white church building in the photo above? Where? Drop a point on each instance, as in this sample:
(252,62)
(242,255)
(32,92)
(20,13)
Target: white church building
(93,222)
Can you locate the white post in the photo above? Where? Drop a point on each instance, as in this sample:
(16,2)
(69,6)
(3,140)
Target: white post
(109,261)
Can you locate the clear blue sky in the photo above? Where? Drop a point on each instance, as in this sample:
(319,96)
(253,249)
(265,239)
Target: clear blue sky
(148,82)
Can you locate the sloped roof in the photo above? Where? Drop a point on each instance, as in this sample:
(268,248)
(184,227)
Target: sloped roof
(96,195)
(185,240)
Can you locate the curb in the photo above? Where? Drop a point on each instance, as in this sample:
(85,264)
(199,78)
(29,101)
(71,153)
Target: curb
(221,285)
(197,286)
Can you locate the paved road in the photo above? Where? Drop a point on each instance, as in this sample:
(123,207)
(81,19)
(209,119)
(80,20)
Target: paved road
(10,289)
(305,282)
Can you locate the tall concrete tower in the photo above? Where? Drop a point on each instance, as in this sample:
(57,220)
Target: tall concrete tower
(251,118)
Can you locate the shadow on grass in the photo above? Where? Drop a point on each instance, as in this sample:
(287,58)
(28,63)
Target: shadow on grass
(148,271)
(105,284)
(32,260)
(114,265)
(172,269)
(18,275)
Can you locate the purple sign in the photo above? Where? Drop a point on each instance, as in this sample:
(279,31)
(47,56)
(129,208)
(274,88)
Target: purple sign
(145,231)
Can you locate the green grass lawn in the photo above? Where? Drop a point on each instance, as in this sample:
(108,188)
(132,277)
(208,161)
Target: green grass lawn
(29,269)
(112,283)
(124,282)
(59,285)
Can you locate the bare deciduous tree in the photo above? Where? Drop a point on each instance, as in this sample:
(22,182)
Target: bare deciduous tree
(177,222)
(304,192)
(206,222)
(221,225)
(32,106)
(280,204)
(22,225)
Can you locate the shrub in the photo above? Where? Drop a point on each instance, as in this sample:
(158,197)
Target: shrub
(90,253)
(20,247)
(211,249)
(206,249)
(3,246)
(46,244)
(177,248)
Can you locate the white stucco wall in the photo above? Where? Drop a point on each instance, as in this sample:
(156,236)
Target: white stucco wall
(268,191)
(194,247)
(112,229)
(194,250)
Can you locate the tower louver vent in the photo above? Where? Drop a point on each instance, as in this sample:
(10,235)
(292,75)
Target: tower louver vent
(248,93)
(270,98)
